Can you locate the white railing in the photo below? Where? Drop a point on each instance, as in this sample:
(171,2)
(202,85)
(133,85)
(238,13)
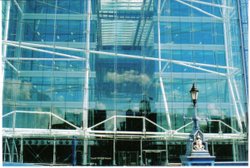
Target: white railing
(93,131)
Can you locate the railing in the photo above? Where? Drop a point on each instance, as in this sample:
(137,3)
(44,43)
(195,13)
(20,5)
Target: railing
(94,131)
(218,121)
(50,114)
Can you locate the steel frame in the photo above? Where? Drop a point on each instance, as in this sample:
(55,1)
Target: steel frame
(88,51)
(182,63)
(209,4)
(243,45)
(86,84)
(4,51)
(228,51)
(86,132)
(198,9)
(91,132)
(160,68)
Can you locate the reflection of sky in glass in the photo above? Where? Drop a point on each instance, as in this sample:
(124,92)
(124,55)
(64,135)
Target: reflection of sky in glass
(116,84)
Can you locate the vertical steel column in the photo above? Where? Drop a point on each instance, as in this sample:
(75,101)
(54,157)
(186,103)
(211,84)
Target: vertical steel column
(86,84)
(53,58)
(50,121)
(166,163)
(19,34)
(212,144)
(244,63)
(54,152)
(21,150)
(87,69)
(141,161)
(74,144)
(114,143)
(235,104)
(1,78)
(8,148)
(85,151)
(114,152)
(144,125)
(115,121)
(4,149)
(234,151)
(239,102)
(220,130)
(16,151)
(12,150)
(14,121)
(4,49)
(227,41)
(160,69)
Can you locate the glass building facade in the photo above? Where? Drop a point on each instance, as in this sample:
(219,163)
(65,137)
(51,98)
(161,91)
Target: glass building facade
(106,82)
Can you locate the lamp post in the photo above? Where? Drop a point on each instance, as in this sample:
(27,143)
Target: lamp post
(197,147)
(194,95)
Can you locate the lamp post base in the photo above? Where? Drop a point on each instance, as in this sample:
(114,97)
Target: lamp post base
(197,151)
(201,158)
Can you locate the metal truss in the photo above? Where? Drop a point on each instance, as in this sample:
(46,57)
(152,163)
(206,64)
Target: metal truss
(193,65)
(93,132)
(243,19)
(86,133)
(230,78)
(200,10)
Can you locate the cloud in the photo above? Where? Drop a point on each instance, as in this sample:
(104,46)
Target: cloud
(127,76)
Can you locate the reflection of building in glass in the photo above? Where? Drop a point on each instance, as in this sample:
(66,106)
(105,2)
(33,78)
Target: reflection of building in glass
(116,75)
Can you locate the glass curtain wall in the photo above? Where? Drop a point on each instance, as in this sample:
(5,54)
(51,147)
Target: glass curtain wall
(129,58)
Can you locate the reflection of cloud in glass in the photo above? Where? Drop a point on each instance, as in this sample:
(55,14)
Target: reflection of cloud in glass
(15,89)
(213,109)
(100,106)
(127,76)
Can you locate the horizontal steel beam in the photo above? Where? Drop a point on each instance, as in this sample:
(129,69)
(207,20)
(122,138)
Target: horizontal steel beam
(131,56)
(61,73)
(45,16)
(190,47)
(189,19)
(41,59)
(44,51)
(89,134)
(77,104)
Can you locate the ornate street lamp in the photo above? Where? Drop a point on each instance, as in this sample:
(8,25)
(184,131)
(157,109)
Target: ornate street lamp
(197,147)
(194,96)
